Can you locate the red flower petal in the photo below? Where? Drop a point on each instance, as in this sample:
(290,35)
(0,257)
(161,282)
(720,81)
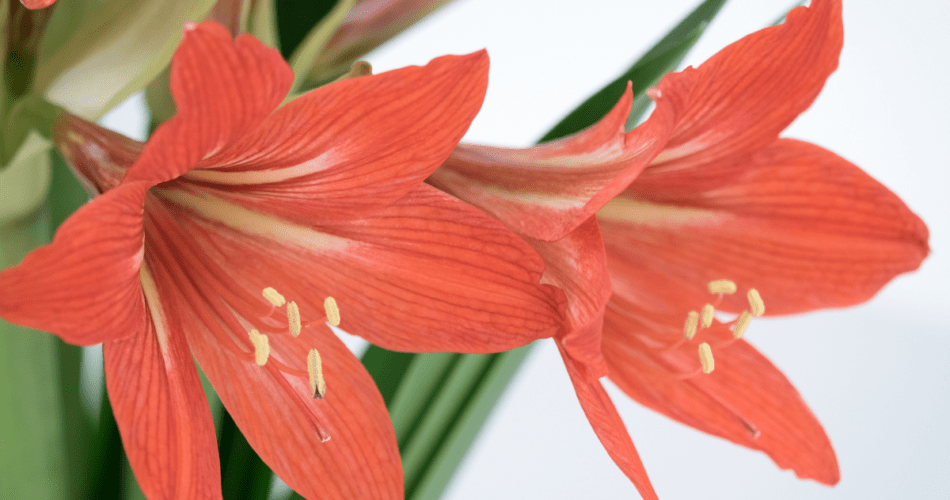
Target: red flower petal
(353,146)
(163,416)
(742,97)
(223,89)
(577,265)
(98,157)
(37,4)
(800,224)
(428,273)
(546,191)
(84,286)
(745,400)
(272,404)
(608,426)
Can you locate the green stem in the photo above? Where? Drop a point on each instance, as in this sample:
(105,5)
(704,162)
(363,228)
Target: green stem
(33,454)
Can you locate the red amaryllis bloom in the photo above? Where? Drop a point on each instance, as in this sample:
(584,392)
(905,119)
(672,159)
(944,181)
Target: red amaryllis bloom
(222,237)
(702,192)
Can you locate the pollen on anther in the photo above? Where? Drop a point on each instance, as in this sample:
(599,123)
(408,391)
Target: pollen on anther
(274,297)
(756,306)
(742,322)
(261,347)
(722,286)
(293,318)
(333,312)
(692,321)
(706,358)
(706,315)
(318,386)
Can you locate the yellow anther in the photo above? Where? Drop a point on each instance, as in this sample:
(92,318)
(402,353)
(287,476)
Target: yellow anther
(333,312)
(318,386)
(261,347)
(692,321)
(756,306)
(293,318)
(741,324)
(706,358)
(706,315)
(274,297)
(722,286)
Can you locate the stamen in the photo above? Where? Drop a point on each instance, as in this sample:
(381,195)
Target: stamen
(318,386)
(706,315)
(689,329)
(722,286)
(333,312)
(261,347)
(293,318)
(706,358)
(742,322)
(274,297)
(756,306)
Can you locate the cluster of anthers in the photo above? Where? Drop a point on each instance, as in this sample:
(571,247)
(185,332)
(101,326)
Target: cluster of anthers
(261,342)
(695,320)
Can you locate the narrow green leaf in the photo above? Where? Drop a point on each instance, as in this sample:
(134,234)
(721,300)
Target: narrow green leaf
(646,72)
(262,22)
(32,437)
(243,474)
(104,478)
(387,368)
(410,401)
(296,18)
(306,52)
(501,369)
(438,419)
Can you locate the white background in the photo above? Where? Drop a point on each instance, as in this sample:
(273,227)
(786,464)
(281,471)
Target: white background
(877,376)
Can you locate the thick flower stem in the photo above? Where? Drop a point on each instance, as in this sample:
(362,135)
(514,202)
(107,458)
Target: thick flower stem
(33,454)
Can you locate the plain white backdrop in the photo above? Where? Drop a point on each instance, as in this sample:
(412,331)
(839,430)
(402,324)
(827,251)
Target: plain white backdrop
(877,376)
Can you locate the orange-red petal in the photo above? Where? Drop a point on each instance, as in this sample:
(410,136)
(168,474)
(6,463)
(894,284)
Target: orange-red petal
(339,447)
(546,191)
(805,227)
(162,413)
(577,264)
(37,4)
(746,400)
(353,146)
(741,98)
(608,426)
(223,89)
(84,286)
(427,273)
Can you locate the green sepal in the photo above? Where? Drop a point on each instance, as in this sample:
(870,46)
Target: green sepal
(662,58)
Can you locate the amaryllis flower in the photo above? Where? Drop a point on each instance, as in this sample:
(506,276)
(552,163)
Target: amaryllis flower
(701,212)
(229,233)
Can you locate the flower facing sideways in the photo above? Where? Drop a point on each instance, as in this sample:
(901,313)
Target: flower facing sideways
(702,211)
(240,228)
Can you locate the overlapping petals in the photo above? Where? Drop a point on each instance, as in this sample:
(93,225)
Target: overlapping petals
(746,400)
(546,191)
(322,197)
(802,225)
(706,191)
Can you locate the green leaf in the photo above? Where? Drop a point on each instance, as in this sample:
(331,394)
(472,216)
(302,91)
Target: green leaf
(262,22)
(296,19)
(306,52)
(32,436)
(662,58)
(500,369)
(116,52)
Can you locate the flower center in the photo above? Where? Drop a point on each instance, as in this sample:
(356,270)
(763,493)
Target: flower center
(704,318)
